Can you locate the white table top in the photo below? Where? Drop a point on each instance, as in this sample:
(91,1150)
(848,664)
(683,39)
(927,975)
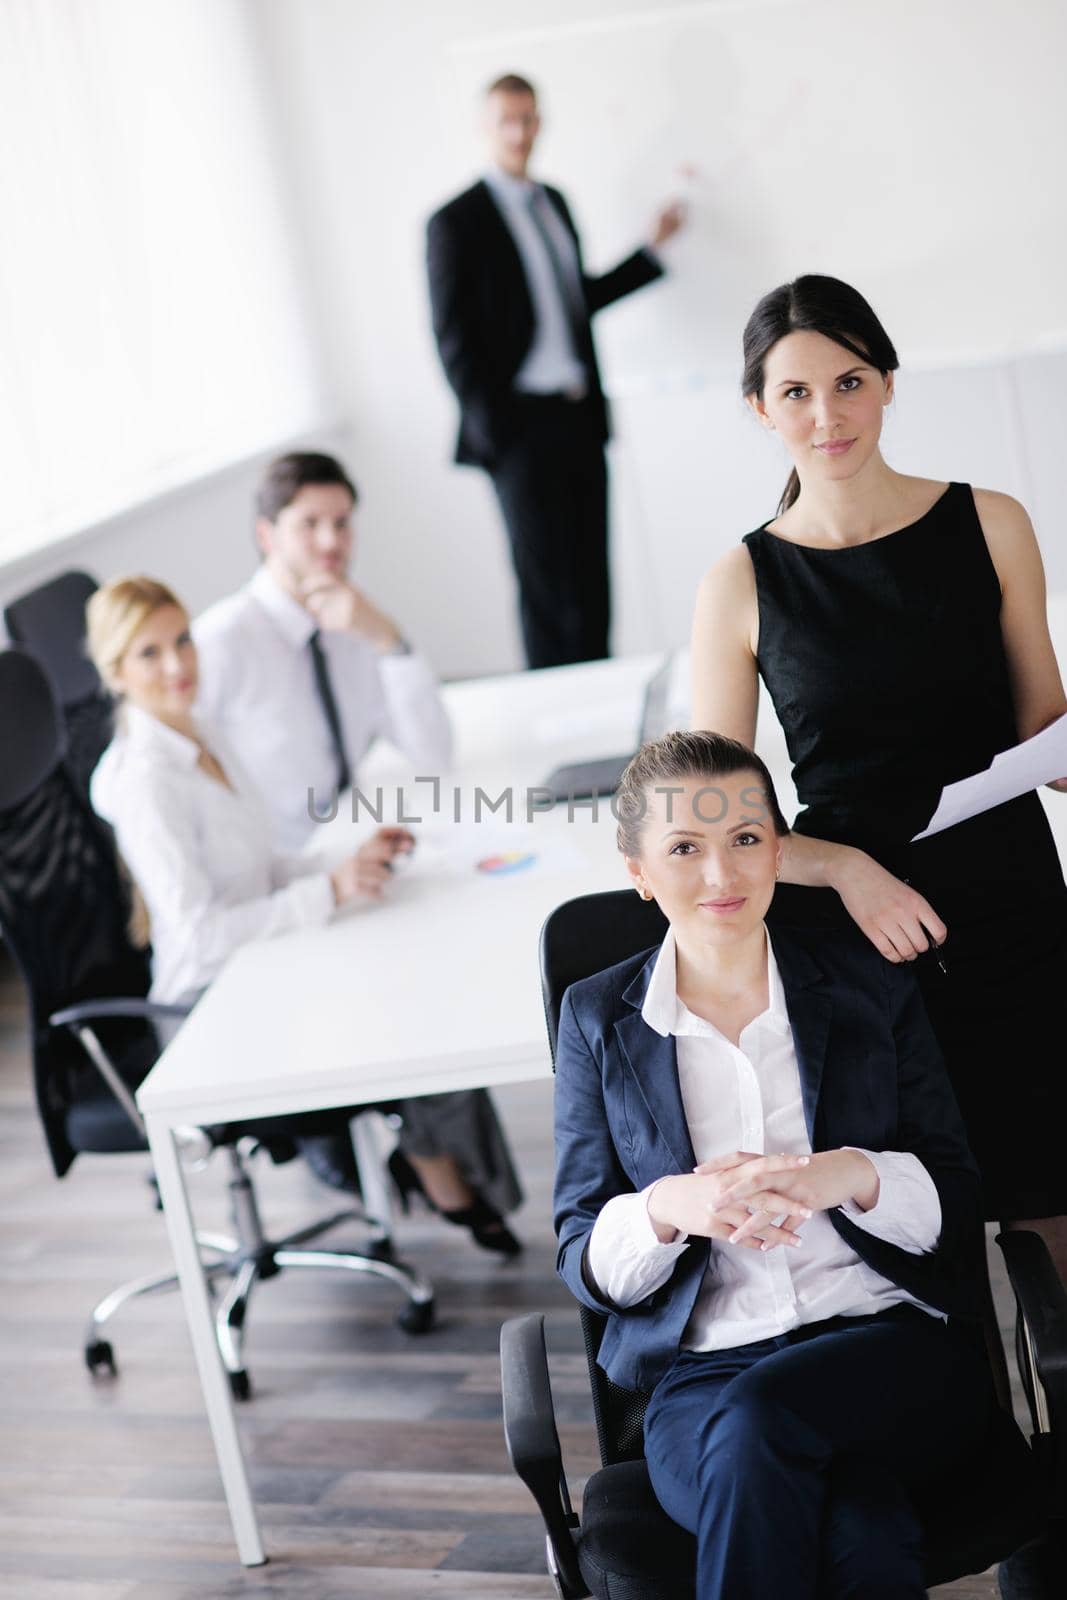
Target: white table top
(438,988)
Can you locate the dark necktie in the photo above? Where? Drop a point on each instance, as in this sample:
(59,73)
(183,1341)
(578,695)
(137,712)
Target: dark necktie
(329,709)
(577,314)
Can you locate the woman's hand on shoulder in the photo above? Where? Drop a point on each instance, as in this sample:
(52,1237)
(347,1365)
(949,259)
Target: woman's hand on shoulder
(899,922)
(694,1202)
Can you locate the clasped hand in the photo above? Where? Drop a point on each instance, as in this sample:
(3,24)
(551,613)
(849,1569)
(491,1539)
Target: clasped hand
(757,1201)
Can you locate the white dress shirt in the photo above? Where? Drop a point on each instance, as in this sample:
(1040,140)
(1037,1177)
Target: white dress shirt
(257,687)
(200,853)
(747,1097)
(552,364)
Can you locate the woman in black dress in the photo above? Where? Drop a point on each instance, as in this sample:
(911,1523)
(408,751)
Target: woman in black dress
(899,625)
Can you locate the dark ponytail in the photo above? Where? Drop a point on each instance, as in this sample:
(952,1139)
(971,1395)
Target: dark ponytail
(790,492)
(812,304)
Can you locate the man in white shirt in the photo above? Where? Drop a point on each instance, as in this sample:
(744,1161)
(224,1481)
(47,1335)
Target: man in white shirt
(300,670)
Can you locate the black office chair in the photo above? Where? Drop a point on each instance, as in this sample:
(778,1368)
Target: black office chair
(625,1547)
(63,914)
(49,623)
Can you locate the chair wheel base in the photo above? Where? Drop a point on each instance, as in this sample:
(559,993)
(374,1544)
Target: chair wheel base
(240,1385)
(100,1358)
(416,1317)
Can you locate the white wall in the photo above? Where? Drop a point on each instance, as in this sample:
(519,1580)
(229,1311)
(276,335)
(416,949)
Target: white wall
(154,319)
(915,146)
(199,540)
(704,473)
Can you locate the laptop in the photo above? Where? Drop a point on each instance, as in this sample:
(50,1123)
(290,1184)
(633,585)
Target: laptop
(584,780)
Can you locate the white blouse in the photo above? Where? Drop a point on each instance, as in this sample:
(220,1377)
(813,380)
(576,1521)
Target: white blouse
(200,853)
(747,1097)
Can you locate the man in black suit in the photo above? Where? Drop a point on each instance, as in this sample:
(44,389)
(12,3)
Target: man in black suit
(511,315)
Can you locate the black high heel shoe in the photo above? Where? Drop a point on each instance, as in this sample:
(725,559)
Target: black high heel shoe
(405,1179)
(487,1227)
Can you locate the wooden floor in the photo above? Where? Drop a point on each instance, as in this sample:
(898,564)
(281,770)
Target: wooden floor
(377,1459)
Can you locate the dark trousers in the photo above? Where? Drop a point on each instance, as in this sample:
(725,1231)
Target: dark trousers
(791,1459)
(551,482)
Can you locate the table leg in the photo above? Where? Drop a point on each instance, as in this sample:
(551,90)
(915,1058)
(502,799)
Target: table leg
(372,1143)
(213,1381)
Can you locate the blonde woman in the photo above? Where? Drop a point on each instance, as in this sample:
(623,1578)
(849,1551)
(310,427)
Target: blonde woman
(198,843)
(193,833)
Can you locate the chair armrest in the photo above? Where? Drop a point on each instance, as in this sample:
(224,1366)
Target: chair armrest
(78,1017)
(91,1010)
(533,1443)
(1042,1301)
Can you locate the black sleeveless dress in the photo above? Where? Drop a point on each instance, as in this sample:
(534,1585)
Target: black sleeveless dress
(886,666)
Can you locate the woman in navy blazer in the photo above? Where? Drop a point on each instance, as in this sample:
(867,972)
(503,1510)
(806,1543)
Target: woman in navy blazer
(763,1180)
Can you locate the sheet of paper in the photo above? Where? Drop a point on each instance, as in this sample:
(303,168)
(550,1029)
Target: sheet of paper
(1013,772)
(448,850)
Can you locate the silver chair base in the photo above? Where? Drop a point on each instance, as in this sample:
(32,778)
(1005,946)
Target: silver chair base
(249,1257)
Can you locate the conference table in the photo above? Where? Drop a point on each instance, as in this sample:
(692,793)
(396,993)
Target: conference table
(435,989)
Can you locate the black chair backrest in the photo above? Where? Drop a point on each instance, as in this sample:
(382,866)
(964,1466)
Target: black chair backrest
(49,623)
(586,935)
(63,906)
(33,738)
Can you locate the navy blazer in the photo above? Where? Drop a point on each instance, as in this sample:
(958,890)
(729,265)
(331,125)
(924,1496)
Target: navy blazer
(483,316)
(871,1075)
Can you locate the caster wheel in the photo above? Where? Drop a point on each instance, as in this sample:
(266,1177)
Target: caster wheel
(416,1318)
(240,1385)
(99,1358)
